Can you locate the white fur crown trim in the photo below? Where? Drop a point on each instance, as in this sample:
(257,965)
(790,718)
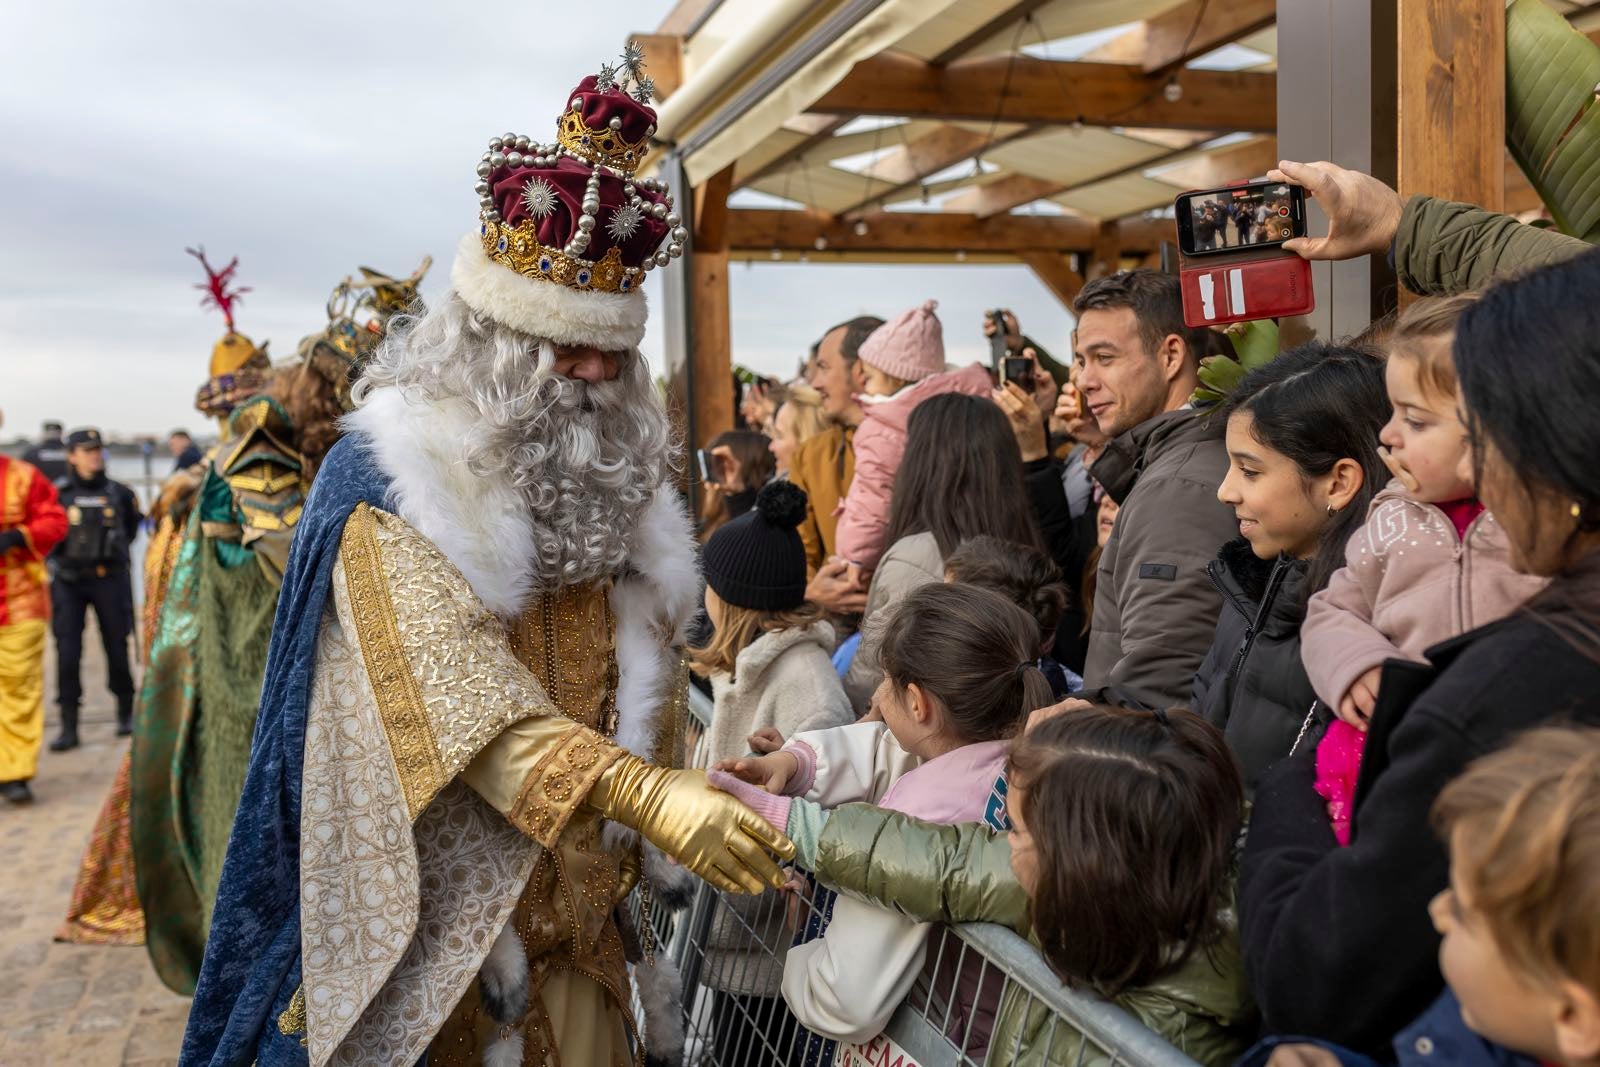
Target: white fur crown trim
(611,322)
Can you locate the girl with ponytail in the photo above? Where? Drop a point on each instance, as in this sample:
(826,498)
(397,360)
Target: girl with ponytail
(959,679)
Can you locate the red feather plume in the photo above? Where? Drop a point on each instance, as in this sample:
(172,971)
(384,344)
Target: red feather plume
(218,295)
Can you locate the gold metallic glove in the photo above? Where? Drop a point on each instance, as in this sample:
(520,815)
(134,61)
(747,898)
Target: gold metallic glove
(707,831)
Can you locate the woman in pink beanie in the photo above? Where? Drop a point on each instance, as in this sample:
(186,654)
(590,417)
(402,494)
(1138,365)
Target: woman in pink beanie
(904,361)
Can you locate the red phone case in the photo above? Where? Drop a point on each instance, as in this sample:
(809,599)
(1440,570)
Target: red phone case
(1221,289)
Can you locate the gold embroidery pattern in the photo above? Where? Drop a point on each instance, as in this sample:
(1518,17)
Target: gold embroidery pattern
(292,1021)
(470,682)
(405,719)
(554,790)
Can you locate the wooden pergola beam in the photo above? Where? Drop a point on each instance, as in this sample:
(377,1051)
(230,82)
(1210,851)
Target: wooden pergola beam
(1021,9)
(1188,30)
(1056,273)
(999,197)
(939,148)
(823,127)
(663,60)
(1050,92)
(752,230)
(1209,170)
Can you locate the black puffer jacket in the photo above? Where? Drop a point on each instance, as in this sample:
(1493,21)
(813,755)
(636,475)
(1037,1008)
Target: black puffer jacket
(1251,684)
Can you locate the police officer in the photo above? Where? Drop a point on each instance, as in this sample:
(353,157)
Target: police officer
(50,454)
(90,566)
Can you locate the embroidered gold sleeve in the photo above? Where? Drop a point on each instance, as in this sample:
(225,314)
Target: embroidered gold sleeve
(453,698)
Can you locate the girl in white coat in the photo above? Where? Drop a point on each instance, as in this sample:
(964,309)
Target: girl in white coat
(769,660)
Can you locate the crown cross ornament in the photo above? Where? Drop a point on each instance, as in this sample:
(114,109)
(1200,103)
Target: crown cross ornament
(542,204)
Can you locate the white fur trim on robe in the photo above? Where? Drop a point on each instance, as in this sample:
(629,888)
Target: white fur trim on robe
(611,322)
(486,529)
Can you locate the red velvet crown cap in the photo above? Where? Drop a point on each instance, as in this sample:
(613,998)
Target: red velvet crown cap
(598,107)
(567,178)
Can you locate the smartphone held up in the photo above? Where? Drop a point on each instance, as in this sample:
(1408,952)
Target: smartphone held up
(1232,264)
(1253,215)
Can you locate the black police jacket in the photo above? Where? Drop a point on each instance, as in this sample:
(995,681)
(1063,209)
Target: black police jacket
(103,519)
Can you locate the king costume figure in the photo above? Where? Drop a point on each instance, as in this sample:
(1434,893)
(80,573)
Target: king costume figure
(474,676)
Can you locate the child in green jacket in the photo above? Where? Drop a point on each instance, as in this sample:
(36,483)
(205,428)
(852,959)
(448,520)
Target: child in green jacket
(1118,866)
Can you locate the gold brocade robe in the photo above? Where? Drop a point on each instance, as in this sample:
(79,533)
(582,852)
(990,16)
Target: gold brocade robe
(447,760)
(564,918)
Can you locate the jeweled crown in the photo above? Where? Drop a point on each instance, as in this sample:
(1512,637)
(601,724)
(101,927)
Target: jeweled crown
(572,212)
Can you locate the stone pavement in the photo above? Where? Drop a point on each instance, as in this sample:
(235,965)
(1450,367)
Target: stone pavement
(72,1005)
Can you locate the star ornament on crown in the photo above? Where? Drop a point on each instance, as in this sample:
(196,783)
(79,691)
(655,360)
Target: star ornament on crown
(566,232)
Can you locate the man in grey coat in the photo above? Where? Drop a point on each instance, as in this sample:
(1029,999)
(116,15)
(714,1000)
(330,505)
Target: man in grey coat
(1155,609)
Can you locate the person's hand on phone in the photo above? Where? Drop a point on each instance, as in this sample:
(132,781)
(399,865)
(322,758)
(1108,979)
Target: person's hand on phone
(1044,385)
(1363,213)
(835,590)
(725,467)
(1008,322)
(1026,422)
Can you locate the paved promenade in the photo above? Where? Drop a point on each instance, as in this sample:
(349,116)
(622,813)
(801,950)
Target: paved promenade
(72,1005)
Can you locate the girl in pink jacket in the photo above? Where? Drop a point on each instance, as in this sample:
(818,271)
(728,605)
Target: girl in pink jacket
(904,361)
(959,680)
(1429,564)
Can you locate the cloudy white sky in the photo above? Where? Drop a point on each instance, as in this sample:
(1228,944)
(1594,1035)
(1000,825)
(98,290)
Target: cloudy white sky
(307,138)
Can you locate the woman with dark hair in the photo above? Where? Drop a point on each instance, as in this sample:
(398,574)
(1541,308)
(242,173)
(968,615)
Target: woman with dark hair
(741,463)
(961,477)
(1337,941)
(1303,465)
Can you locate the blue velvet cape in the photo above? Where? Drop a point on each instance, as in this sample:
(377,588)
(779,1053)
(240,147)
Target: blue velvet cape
(252,958)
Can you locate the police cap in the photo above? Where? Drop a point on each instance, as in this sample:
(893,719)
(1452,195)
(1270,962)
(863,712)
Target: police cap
(86,438)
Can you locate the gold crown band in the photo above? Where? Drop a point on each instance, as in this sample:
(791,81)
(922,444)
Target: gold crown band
(518,248)
(600,146)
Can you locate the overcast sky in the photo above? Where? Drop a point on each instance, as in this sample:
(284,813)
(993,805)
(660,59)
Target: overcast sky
(307,139)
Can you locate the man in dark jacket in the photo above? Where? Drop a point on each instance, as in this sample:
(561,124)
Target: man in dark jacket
(91,569)
(1155,610)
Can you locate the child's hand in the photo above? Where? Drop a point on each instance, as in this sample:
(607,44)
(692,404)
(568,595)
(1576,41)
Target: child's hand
(771,772)
(765,740)
(1357,705)
(794,900)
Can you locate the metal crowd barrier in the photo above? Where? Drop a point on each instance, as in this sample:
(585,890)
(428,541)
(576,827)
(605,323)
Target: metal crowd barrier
(985,996)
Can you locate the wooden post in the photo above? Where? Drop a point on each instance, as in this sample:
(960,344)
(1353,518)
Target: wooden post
(1450,101)
(1106,256)
(711,393)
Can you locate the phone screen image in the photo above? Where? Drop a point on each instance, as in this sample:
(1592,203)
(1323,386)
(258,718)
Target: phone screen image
(1258,215)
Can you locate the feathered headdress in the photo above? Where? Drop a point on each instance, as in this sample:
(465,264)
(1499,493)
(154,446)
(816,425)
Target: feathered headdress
(216,286)
(238,367)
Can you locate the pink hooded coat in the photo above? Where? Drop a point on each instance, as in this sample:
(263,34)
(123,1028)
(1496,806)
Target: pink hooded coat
(880,442)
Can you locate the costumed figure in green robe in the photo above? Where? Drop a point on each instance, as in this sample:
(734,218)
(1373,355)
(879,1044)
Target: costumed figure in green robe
(197,703)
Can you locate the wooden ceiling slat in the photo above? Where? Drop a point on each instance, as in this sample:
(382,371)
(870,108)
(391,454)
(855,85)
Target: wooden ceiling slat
(1047,92)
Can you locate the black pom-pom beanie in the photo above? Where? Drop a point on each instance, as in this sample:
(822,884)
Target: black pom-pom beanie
(757,561)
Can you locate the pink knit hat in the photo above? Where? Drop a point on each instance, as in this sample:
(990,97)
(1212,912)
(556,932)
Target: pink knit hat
(909,347)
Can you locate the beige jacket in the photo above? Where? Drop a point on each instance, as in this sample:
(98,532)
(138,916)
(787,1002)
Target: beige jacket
(784,680)
(1408,583)
(910,562)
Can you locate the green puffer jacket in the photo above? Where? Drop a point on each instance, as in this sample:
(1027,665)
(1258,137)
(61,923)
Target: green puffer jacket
(1443,247)
(963,874)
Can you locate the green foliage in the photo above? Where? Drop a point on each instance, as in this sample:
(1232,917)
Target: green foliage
(1256,344)
(1552,123)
